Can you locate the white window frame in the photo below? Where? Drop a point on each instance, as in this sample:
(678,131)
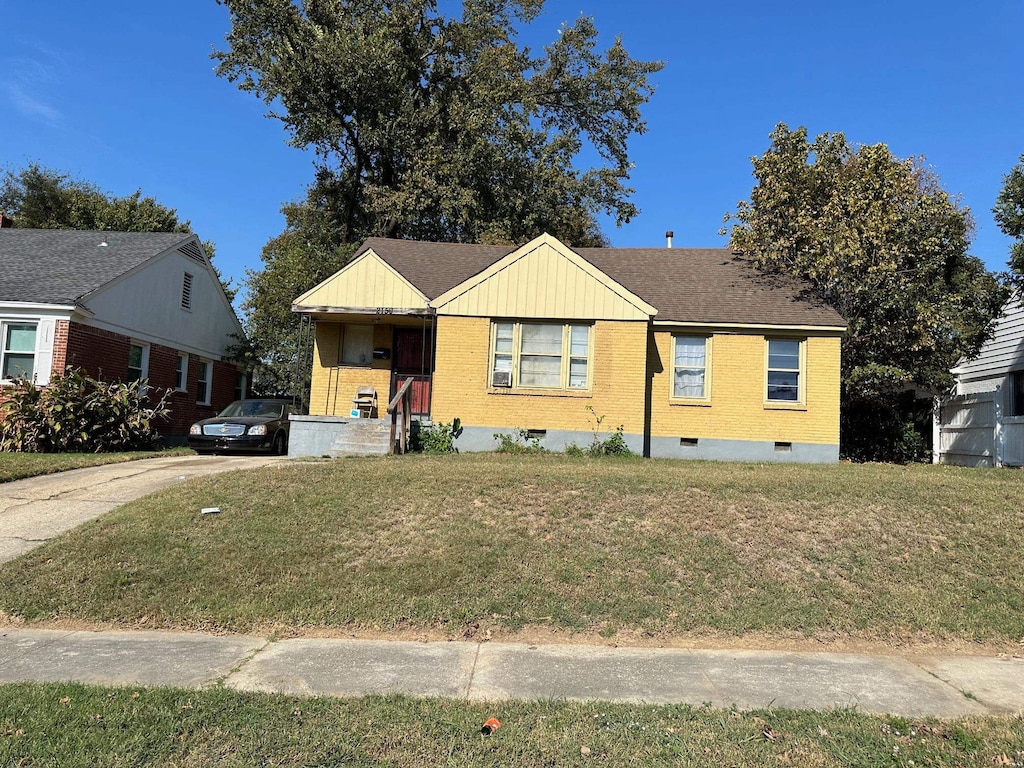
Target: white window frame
(207,367)
(181,382)
(4,351)
(188,283)
(706,397)
(566,355)
(144,361)
(243,377)
(801,372)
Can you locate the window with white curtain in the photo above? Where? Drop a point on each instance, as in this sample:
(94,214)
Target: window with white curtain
(689,367)
(542,355)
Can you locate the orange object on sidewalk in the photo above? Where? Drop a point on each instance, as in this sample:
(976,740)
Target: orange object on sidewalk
(491,726)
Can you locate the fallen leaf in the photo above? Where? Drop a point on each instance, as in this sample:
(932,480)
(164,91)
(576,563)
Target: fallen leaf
(584,751)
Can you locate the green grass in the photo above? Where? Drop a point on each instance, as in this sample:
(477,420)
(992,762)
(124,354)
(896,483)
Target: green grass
(73,725)
(539,544)
(14,466)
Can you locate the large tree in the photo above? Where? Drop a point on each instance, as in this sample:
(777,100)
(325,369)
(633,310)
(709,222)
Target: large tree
(434,127)
(1009,212)
(36,197)
(877,238)
(307,252)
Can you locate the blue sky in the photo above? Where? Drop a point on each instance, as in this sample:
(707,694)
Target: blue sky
(124,95)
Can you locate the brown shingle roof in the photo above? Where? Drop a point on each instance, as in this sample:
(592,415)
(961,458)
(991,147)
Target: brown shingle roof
(698,285)
(710,285)
(435,267)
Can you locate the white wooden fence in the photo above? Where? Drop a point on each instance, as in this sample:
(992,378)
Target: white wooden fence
(971,431)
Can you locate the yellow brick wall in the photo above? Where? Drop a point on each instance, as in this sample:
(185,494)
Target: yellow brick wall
(334,385)
(461,374)
(737,410)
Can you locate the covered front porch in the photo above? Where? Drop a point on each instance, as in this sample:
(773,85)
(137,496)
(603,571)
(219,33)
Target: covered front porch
(361,360)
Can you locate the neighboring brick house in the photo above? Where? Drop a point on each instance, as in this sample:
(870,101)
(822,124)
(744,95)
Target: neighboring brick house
(692,351)
(121,306)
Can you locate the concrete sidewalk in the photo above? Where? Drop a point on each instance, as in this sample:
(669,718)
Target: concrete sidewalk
(941,686)
(36,509)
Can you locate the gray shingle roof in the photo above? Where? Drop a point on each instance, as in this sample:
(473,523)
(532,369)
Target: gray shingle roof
(52,266)
(697,285)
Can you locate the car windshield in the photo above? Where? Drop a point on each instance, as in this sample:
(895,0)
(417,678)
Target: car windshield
(259,408)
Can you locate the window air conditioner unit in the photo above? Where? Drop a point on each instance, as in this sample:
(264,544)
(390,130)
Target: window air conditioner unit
(501,379)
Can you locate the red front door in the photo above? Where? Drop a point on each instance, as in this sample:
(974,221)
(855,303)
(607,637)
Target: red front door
(414,358)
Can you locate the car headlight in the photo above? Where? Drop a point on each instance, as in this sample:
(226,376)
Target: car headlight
(259,429)
(195,429)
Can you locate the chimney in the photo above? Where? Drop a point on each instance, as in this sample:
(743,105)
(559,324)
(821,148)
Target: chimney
(668,238)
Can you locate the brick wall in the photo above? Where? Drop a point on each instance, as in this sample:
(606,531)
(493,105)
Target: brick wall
(461,388)
(737,409)
(334,385)
(104,355)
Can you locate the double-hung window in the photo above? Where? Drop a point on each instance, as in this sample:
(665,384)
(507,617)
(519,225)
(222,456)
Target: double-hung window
(204,383)
(18,352)
(785,371)
(138,362)
(541,355)
(690,370)
(1016,404)
(181,372)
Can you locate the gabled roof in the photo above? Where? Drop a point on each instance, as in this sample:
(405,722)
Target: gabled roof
(435,268)
(54,266)
(686,285)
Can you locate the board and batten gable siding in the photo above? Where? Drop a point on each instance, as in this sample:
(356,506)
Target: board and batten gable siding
(366,282)
(736,408)
(1003,353)
(543,280)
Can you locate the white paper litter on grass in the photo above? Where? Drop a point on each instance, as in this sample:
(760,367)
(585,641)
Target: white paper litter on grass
(209,510)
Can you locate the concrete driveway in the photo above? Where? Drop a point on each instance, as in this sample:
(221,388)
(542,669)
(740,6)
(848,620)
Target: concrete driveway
(36,509)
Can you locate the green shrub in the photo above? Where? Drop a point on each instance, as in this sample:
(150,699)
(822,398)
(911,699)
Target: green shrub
(613,445)
(440,438)
(78,413)
(518,442)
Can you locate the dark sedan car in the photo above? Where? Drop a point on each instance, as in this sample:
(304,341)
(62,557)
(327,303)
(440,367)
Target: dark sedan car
(245,425)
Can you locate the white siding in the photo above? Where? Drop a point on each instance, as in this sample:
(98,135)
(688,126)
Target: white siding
(1003,353)
(146,304)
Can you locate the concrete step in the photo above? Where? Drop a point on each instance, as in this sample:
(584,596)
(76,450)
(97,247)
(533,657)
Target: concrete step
(362,437)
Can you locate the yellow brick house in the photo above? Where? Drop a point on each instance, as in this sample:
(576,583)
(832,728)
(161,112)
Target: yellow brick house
(692,351)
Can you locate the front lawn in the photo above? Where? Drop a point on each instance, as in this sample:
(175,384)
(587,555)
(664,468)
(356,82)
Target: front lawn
(14,466)
(74,725)
(634,550)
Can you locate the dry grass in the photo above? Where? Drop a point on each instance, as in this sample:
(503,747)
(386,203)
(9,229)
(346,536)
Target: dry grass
(458,545)
(15,466)
(73,725)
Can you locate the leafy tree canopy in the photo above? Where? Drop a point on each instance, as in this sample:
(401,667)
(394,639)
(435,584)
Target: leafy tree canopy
(1009,212)
(305,254)
(41,198)
(441,128)
(428,126)
(880,240)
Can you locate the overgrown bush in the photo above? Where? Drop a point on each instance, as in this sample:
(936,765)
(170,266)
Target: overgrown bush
(440,438)
(77,413)
(613,445)
(518,441)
